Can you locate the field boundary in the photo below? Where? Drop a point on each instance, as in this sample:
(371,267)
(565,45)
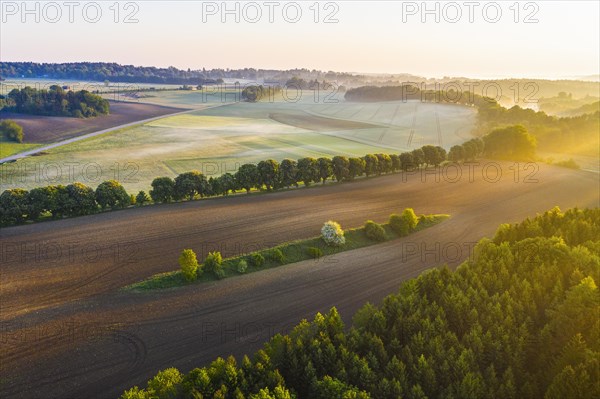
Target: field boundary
(61,143)
(291,252)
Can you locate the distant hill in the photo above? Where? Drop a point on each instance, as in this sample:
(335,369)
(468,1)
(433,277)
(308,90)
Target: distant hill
(584,109)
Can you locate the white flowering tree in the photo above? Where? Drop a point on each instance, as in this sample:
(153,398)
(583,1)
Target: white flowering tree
(332,234)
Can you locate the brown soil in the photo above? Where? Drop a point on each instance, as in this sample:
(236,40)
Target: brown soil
(69,332)
(48,129)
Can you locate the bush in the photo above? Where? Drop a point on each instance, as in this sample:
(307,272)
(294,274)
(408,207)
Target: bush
(11,130)
(276,256)
(410,218)
(332,234)
(314,252)
(397,224)
(189,265)
(256,259)
(142,198)
(213,262)
(426,218)
(405,223)
(220,272)
(242,266)
(374,231)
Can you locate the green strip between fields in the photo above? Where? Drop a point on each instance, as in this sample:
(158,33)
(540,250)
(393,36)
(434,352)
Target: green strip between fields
(293,252)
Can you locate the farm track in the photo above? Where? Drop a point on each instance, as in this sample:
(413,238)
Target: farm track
(68,332)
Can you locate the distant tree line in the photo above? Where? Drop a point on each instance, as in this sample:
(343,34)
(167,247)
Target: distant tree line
(568,134)
(298,83)
(518,320)
(509,143)
(412,92)
(113,72)
(56,102)
(101,71)
(576,134)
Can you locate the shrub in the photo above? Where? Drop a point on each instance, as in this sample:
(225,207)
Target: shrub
(142,198)
(276,255)
(397,224)
(213,262)
(314,252)
(242,266)
(256,259)
(410,218)
(405,223)
(11,130)
(219,272)
(374,231)
(426,218)
(332,234)
(189,265)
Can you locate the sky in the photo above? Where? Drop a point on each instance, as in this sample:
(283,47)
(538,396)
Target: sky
(479,39)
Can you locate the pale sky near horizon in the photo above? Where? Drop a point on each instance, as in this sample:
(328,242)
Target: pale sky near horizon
(369,36)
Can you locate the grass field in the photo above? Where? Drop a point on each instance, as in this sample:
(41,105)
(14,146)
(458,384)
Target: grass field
(50,129)
(223,136)
(8,148)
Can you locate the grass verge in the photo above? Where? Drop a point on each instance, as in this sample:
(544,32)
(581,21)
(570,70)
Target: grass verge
(8,148)
(293,252)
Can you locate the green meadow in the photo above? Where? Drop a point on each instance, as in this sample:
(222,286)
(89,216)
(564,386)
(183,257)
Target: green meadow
(222,136)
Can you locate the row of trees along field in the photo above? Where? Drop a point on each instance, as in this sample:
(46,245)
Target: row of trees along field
(56,102)
(575,134)
(19,205)
(517,320)
(272,175)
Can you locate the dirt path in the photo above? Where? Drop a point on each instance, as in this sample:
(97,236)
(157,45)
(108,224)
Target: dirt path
(68,331)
